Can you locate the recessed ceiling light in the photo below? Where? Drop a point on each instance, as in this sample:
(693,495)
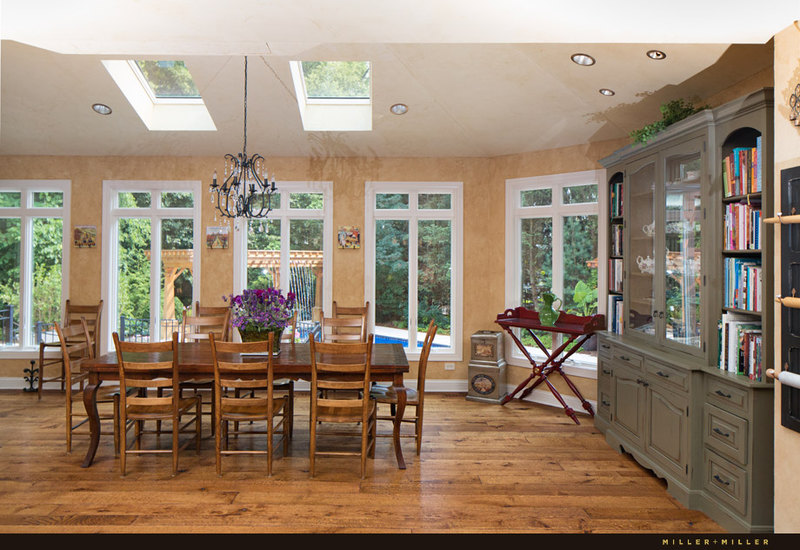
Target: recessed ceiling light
(582,59)
(606,91)
(656,54)
(399,109)
(101,109)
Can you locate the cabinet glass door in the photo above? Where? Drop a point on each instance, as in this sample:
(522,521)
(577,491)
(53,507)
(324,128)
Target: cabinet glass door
(683,217)
(642,257)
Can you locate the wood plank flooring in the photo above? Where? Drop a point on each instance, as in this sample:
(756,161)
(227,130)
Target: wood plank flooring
(520,468)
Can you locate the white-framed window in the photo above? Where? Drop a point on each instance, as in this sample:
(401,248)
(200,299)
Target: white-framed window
(552,243)
(34,261)
(413,253)
(151,257)
(291,248)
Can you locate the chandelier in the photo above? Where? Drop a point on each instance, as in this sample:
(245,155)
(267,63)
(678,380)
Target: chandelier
(246,191)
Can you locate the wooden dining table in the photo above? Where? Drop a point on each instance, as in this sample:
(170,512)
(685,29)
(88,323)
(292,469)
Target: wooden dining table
(389,363)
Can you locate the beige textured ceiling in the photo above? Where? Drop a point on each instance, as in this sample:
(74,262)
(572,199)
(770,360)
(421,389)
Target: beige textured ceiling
(478,81)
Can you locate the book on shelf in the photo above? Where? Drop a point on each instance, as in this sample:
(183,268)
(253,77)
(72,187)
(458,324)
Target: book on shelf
(616,239)
(616,199)
(743,284)
(742,227)
(615,274)
(739,344)
(615,313)
(741,174)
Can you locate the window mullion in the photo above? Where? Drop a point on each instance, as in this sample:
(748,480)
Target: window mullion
(26,280)
(413,272)
(155,279)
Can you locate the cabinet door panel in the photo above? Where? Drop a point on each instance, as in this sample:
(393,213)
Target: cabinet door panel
(628,405)
(668,430)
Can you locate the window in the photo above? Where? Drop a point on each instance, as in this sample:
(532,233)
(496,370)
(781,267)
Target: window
(552,244)
(413,254)
(291,248)
(333,95)
(162,93)
(34,266)
(151,256)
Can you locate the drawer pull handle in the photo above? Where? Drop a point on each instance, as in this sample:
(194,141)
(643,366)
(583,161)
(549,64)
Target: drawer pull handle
(606,371)
(624,357)
(605,346)
(642,382)
(664,375)
(720,480)
(720,432)
(606,403)
(723,394)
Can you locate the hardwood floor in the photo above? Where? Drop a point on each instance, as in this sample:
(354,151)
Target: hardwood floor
(520,468)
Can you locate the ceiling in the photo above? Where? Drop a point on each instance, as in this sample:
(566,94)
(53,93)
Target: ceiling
(478,81)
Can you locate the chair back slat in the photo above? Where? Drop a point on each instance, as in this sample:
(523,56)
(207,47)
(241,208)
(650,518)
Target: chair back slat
(142,365)
(197,327)
(243,373)
(342,329)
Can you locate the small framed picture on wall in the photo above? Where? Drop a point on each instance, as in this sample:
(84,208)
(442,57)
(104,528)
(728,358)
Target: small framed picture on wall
(349,237)
(84,236)
(217,237)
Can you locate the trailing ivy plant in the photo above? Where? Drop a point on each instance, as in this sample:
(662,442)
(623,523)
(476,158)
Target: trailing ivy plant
(671,112)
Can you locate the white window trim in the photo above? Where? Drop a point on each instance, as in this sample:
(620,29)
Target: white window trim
(26,212)
(515,211)
(456,215)
(111,214)
(286,188)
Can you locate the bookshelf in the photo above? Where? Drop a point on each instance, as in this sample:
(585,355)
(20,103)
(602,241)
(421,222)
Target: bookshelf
(616,252)
(683,389)
(746,271)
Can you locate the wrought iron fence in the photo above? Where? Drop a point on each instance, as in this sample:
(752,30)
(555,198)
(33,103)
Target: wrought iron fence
(138,330)
(8,328)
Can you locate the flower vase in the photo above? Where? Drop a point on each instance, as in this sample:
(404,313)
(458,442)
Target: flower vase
(261,335)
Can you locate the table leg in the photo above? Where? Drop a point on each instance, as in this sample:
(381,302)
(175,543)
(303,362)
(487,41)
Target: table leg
(398,419)
(90,403)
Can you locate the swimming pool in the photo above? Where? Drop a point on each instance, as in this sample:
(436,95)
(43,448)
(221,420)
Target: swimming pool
(389,340)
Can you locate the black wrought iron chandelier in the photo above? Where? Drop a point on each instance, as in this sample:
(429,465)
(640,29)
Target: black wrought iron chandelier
(246,191)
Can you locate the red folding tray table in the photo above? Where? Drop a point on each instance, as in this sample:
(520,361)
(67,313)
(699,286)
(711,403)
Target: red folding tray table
(577,328)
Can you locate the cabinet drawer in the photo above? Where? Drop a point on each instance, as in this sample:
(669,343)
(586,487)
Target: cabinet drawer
(604,402)
(671,377)
(604,373)
(624,356)
(725,433)
(727,396)
(726,481)
(604,349)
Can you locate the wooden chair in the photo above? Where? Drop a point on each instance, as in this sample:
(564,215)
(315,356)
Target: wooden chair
(343,329)
(352,312)
(147,373)
(214,310)
(259,403)
(342,366)
(72,316)
(77,347)
(197,328)
(291,330)
(415,398)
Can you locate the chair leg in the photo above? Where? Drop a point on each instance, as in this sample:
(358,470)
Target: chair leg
(116,424)
(270,443)
(199,424)
(312,445)
(69,423)
(418,429)
(218,442)
(176,422)
(123,434)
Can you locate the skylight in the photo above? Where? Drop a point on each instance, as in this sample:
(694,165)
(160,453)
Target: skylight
(162,93)
(168,79)
(336,79)
(333,95)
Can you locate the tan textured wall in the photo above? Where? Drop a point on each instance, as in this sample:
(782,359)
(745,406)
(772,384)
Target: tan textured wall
(787,154)
(484,215)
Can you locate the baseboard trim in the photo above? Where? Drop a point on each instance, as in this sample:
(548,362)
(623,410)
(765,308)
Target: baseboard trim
(431,385)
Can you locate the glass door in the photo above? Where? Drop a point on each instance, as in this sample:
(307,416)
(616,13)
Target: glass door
(641,261)
(683,254)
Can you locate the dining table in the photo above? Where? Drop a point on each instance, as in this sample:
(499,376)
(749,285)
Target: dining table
(388,364)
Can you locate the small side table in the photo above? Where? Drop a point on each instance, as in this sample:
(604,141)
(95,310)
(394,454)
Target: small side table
(577,328)
(487,367)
